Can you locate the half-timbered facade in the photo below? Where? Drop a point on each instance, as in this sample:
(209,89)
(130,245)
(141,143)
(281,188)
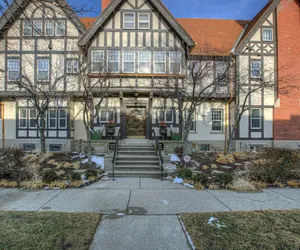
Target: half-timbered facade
(143,47)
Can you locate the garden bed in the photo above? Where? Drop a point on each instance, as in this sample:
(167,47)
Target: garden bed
(244,230)
(47,230)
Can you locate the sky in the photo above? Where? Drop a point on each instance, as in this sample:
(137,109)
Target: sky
(221,9)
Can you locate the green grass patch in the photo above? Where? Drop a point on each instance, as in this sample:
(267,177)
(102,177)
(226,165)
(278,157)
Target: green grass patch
(278,230)
(47,230)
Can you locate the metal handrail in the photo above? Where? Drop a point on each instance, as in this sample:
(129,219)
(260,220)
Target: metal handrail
(116,153)
(158,153)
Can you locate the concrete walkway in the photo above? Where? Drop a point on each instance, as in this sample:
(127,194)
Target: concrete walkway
(142,213)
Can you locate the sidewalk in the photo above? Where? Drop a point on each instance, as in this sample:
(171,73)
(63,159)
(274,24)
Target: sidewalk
(142,213)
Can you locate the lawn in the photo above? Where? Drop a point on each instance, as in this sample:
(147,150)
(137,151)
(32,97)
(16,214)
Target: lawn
(278,230)
(47,230)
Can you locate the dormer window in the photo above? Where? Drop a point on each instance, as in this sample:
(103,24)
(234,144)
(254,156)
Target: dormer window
(144,21)
(129,20)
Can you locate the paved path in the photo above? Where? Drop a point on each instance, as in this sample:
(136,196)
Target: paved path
(142,213)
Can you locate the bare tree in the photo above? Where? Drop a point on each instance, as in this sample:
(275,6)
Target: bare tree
(207,77)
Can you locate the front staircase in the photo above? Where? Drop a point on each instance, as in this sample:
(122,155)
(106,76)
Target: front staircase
(137,158)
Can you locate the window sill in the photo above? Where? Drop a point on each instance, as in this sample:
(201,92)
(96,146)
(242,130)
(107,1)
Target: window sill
(136,75)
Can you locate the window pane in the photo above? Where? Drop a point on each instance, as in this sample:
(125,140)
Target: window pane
(49,28)
(217,120)
(255,123)
(13,69)
(97,61)
(160,61)
(161,116)
(27,28)
(37,28)
(255,113)
(33,116)
(144,22)
(160,68)
(129,59)
(267,35)
(113,61)
(129,21)
(217,126)
(145,62)
(111,115)
(103,114)
(255,69)
(169,116)
(60,28)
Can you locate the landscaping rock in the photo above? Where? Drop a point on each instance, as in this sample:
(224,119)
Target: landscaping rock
(226,167)
(218,172)
(214,166)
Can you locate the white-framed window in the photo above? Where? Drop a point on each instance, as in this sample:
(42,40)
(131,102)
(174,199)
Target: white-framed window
(32,118)
(43,73)
(23,118)
(97,61)
(72,66)
(49,28)
(128,20)
(217,120)
(60,28)
(27,28)
(159,62)
(221,70)
(62,118)
(52,117)
(144,62)
(13,73)
(128,61)
(175,62)
(256,69)
(166,116)
(256,118)
(113,61)
(144,20)
(106,115)
(267,34)
(37,28)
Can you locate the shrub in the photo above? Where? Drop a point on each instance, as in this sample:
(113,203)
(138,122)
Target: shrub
(50,176)
(201,178)
(276,164)
(75,176)
(8,184)
(31,184)
(293,183)
(91,173)
(76,184)
(225,178)
(185,173)
(58,184)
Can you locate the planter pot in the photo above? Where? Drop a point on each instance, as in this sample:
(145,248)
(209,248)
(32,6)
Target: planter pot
(163,131)
(110,130)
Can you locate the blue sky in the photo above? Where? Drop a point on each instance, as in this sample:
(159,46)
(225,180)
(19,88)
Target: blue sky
(224,9)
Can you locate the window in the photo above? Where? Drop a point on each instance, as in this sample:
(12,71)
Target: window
(113,58)
(27,28)
(52,118)
(32,118)
(144,21)
(144,62)
(256,69)
(204,147)
(72,66)
(55,147)
(49,28)
(255,119)
(159,62)
(60,28)
(129,21)
(217,120)
(62,116)
(37,28)
(267,35)
(106,115)
(166,116)
(23,118)
(43,69)
(28,147)
(175,62)
(13,69)
(97,61)
(129,61)
(221,75)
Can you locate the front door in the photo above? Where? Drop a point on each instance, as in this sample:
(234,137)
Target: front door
(136,122)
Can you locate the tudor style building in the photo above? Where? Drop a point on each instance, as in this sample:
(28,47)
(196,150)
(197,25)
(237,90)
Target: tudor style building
(143,44)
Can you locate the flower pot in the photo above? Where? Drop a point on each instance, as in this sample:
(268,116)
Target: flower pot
(110,130)
(163,131)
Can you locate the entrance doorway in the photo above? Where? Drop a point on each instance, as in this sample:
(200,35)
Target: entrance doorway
(136,122)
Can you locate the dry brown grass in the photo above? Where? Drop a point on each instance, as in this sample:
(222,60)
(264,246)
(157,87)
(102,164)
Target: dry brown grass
(58,184)
(76,184)
(293,184)
(8,184)
(32,184)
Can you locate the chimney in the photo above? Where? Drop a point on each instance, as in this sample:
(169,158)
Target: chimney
(105,3)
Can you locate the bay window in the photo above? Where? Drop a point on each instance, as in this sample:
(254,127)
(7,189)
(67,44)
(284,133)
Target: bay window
(160,62)
(129,61)
(113,58)
(144,62)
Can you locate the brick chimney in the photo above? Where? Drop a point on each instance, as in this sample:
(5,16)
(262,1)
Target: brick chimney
(105,3)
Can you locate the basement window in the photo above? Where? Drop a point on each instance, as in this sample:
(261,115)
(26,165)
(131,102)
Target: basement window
(28,147)
(55,147)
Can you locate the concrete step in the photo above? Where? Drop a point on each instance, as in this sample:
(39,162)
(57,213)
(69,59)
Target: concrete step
(137,162)
(142,174)
(137,158)
(134,168)
(136,152)
(136,148)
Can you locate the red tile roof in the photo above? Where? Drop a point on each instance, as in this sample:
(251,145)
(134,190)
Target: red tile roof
(212,36)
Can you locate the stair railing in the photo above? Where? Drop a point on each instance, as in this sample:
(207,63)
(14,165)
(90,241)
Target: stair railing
(158,153)
(116,153)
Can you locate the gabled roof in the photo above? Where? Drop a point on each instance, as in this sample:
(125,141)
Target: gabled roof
(257,21)
(157,3)
(18,6)
(211,36)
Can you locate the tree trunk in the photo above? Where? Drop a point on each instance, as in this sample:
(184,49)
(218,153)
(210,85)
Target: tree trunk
(187,129)
(43,136)
(89,145)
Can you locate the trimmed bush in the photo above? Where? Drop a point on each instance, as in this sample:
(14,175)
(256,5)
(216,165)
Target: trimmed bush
(50,176)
